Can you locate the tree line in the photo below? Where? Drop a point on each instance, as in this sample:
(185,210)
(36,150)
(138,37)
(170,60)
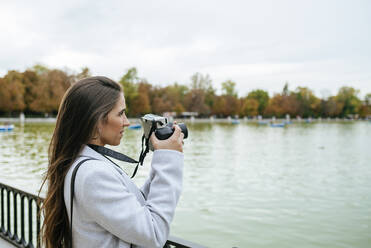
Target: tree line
(39,90)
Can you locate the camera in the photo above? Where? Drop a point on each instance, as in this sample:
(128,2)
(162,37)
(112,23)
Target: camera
(161,126)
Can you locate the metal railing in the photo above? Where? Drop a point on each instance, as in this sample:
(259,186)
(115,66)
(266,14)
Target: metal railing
(20,222)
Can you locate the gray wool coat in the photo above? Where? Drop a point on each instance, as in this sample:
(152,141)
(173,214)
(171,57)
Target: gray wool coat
(110,211)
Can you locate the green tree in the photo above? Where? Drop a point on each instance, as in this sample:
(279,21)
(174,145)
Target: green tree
(129,84)
(365,110)
(348,96)
(85,72)
(262,98)
(228,88)
(308,103)
(368,99)
(285,90)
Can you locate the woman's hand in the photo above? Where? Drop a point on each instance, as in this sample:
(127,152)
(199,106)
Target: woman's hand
(175,142)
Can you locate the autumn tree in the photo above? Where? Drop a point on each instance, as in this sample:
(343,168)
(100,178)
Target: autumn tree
(201,88)
(141,102)
(331,107)
(249,107)
(365,110)
(281,104)
(218,107)
(12,92)
(49,90)
(32,91)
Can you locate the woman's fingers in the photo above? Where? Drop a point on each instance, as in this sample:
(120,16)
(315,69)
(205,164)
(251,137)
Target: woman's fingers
(175,142)
(177,131)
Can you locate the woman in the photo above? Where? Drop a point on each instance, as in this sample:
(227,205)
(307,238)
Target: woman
(108,209)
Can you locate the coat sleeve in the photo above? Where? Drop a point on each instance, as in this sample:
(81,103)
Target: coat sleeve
(108,202)
(146,186)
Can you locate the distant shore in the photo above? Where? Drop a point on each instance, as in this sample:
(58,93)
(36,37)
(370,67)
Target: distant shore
(199,120)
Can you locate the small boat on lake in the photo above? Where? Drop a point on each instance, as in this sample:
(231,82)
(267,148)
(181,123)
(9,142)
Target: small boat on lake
(263,122)
(135,126)
(6,128)
(235,121)
(283,124)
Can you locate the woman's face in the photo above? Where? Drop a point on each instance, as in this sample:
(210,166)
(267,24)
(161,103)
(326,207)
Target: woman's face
(111,130)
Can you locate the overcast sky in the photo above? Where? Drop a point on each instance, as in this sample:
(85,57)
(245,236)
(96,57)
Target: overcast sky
(322,45)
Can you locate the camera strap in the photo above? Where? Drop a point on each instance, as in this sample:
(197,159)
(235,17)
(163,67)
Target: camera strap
(122,157)
(113,154)
(116,155)
(144,151)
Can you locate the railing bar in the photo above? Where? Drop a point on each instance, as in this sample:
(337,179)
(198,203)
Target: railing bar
(30,221)
(38,225)
(2,209)
(8,212)
(15,215)
(18,190)
(22,218)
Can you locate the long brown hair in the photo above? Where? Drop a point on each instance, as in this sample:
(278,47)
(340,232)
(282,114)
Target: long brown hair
(84,104)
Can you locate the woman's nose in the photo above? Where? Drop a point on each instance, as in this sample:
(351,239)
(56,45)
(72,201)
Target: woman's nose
(126,121)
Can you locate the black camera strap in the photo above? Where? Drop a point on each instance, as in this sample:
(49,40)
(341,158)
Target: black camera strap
(113,154)
(122,157)
(144,151)
(116,155)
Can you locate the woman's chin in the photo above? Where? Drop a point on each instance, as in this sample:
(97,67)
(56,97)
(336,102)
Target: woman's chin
(116,143)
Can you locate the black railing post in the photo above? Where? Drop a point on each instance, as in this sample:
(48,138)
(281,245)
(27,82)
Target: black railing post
(30,222)
(8,213)
(2,227)
(23,241)
(38,224)
(15,206)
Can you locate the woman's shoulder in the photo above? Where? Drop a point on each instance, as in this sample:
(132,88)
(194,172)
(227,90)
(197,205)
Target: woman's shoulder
(94,168)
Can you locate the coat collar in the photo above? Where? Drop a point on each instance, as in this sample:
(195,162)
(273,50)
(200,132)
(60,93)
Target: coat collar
(88,152)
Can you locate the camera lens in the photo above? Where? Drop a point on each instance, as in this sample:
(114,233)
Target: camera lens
(164,133)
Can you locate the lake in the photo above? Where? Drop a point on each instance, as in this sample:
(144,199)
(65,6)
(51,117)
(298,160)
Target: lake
(245,185)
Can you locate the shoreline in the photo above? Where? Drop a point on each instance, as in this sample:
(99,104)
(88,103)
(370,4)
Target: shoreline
(199,120)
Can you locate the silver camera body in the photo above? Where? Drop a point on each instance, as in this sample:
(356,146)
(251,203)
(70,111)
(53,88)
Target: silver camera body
(147,123)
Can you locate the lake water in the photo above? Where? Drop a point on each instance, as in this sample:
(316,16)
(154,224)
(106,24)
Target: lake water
(245,185)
